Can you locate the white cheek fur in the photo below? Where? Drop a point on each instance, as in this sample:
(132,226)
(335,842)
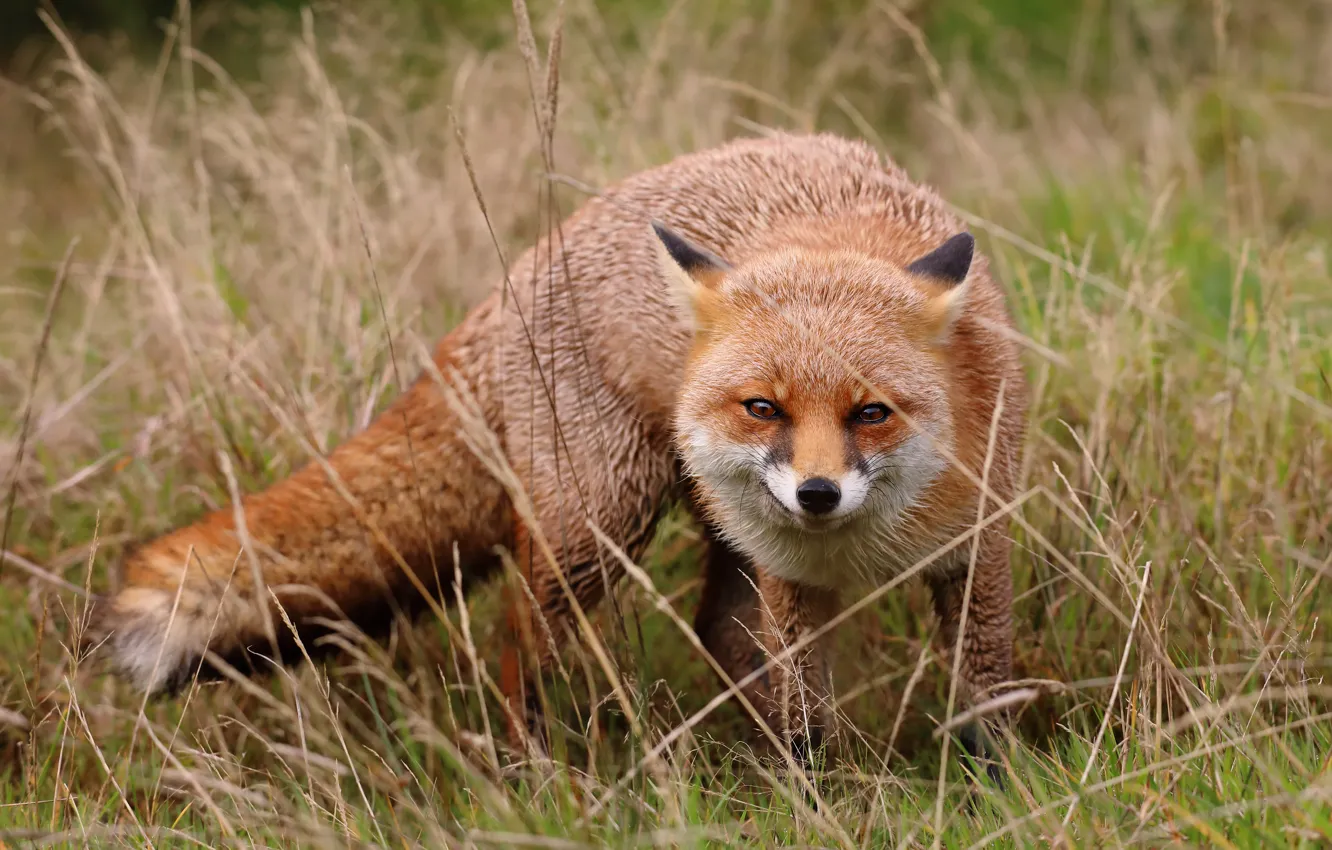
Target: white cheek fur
(873,508)
(781,481)
(855,487)
(910,469)
(714,459)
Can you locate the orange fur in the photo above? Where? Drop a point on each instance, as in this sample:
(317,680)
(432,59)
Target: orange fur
(599,385)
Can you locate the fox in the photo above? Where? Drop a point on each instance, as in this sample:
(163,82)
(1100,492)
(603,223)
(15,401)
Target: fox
(785,333)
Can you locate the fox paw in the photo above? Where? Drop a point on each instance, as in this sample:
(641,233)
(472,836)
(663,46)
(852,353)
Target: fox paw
(979,753)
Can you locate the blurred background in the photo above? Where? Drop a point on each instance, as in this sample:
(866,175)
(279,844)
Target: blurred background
(186,198)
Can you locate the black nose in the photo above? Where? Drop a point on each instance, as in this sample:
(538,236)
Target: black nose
(818,495)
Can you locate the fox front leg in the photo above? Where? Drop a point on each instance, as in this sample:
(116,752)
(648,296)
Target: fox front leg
(799,708)
(985,660)
(728,621)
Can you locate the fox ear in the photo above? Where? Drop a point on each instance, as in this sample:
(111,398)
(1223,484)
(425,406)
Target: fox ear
(949,265)
(692,273)
(950,262)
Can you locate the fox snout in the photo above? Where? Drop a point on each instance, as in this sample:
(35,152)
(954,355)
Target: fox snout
(815,476)
(818,495)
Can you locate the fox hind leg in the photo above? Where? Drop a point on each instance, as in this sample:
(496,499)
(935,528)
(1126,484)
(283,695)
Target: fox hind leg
(541,619)
(625,476)
(539,622)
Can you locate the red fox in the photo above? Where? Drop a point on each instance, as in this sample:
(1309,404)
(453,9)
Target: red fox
(788,325)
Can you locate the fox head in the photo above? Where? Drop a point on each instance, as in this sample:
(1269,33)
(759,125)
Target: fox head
(815,397)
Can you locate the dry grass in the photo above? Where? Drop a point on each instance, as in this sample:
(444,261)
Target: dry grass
(1158,203)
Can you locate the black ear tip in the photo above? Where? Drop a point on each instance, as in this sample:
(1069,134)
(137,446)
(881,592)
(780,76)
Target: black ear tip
(689,257)
(951,261)
(959,245)
(673,241)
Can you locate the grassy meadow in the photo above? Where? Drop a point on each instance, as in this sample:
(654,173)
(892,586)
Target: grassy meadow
(209,240)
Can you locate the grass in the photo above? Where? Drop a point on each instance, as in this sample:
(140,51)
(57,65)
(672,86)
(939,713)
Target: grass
(1151,182)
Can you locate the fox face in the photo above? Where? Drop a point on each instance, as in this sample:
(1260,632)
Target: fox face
(814,412)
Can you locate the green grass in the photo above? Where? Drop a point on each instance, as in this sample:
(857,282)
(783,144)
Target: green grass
(1157,202)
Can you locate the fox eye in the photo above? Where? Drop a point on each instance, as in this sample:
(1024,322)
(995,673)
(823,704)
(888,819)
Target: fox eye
(761,408)
(872,413)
